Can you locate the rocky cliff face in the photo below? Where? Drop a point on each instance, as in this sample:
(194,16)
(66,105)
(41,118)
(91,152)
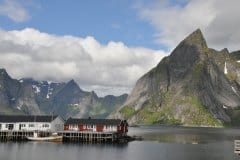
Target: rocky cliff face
(16,95)
(27,96)
(195,85)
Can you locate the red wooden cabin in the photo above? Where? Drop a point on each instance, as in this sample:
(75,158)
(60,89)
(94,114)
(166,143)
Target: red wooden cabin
(96,125)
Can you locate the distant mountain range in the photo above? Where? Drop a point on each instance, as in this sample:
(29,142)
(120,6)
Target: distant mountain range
(194,85)
(28,96)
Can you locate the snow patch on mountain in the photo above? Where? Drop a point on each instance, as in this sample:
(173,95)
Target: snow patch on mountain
(36,89)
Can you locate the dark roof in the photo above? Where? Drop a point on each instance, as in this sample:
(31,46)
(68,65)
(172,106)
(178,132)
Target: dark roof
(26,118)
(90,121)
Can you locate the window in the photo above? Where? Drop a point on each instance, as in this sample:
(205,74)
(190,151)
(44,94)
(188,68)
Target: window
(0,126)
(90,126)
(9,126)
(45,125)
(22,125)
(31,125)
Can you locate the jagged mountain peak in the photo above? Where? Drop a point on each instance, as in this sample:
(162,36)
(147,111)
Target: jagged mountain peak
(26,80)
(73,84)
(197,39)
(72,81)
(225,50)
(191,48)
(93,94)
(184,57)
(4,73)
(195,85)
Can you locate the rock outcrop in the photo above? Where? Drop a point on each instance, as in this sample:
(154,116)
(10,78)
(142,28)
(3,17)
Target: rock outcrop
(194,85)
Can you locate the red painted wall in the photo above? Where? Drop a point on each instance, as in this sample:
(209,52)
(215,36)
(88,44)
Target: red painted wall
(80,127)
(99,128)
(66,127)
(123,128)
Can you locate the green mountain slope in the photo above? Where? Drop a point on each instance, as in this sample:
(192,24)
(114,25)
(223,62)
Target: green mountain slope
(194,85)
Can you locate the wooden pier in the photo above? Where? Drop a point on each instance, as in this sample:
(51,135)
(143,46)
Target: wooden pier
(76,136)
(68,136)
(15,135)
(237,147)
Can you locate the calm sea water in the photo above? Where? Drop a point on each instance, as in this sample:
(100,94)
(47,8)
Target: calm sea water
(160,143)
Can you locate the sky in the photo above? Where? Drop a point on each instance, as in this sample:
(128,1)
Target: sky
(106,46)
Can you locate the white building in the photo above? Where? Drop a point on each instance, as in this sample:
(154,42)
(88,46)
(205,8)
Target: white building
(31,123)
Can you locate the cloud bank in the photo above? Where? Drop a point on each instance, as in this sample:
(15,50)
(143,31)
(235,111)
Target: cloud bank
(109,69)
(218,19)
(14,11)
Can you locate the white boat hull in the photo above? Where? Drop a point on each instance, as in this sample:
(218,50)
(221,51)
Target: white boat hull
(49,139)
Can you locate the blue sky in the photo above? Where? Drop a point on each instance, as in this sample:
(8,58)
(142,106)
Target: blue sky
(108,20)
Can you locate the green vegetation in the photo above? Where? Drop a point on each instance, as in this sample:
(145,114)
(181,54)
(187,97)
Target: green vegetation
(127,111)
(164,116)
(153,114)
(197,69)
(73,109)
(10,111)
(189,110)
(235,117)
(199,115)
(231,76)
(98,111)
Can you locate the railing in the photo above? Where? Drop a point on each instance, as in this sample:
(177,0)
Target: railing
(237,146)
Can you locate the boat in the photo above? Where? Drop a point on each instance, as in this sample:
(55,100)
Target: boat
(52,138)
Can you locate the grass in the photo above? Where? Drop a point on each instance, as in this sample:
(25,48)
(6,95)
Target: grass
(127,111)
(73,109)
(231,76)
(10,111)
(196,114)
(199,115)
(153,114)
(191,113)
(197,69)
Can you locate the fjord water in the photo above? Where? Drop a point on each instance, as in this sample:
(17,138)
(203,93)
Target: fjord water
(165,143)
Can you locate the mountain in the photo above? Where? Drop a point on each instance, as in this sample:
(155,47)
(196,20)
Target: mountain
(193,86)
(28,96)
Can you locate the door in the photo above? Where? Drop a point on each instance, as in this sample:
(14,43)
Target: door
(10,126)
(20,127)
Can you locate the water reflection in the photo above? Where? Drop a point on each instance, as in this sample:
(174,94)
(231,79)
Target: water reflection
(165,143)
(184,135)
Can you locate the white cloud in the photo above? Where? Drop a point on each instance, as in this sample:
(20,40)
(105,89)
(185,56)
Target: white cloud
(218,19)
(14,10)
(111,68)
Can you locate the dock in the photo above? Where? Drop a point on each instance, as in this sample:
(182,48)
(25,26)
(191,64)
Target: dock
(68,136)
(15,135)
(23,127)
(20,135)
(71,136)
(237,147)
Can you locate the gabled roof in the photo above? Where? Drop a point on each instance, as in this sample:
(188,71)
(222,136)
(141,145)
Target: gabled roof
(90,121)
(26,118)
